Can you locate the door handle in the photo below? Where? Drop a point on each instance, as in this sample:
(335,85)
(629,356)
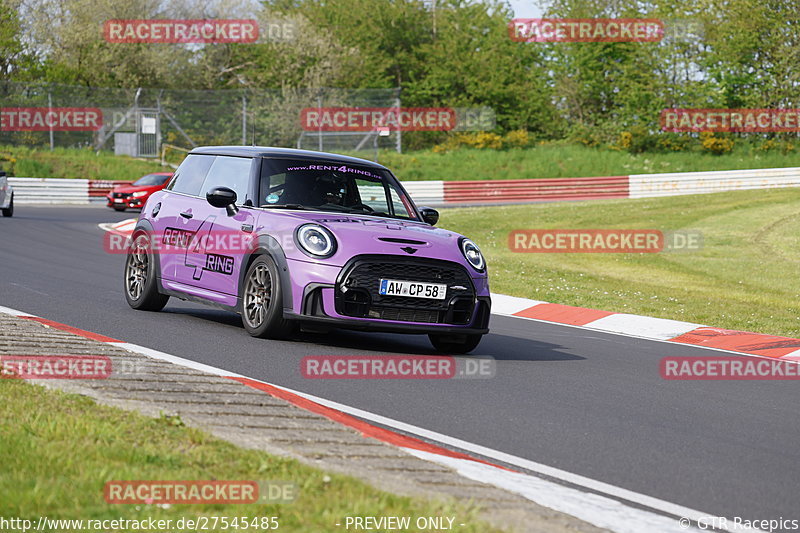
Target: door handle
(187,214)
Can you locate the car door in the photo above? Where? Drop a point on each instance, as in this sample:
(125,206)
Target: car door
(214,259)
(172,214)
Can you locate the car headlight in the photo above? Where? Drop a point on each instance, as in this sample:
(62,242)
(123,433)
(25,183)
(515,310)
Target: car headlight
(315,240)
(473,255)
(139,194)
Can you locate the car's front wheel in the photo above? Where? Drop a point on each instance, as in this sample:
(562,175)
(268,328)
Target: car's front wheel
(9,211)
(455,344)
(140,277)
(117,208)
(262,301)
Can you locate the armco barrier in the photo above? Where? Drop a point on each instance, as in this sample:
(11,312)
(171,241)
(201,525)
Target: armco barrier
(49,191)
(427,193)
(650,185)
(534,190)
(60,190)
(98,189)
(482,192)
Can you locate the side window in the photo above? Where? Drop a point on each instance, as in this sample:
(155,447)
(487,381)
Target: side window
(373,194)
(401,207)
(190,175)
(272,186)
(230,172)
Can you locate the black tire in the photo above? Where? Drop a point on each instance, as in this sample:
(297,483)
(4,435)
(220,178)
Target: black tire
(9,211)
(120,209)
(140,286)
(455,344)
(262,301)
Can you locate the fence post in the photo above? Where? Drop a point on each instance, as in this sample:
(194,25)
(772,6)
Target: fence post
(50,122)
(244,119)
(399,142)
(319,133)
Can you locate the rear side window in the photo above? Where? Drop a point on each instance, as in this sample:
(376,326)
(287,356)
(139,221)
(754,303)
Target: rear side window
(191,174)
(230,172)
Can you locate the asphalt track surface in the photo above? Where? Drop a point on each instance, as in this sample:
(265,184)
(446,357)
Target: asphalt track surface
(586,402)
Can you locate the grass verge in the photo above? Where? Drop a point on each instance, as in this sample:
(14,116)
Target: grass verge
(74,163)
(744,277)
(60,449)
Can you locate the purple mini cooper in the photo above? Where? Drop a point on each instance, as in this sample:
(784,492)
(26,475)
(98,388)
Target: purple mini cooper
(292,238)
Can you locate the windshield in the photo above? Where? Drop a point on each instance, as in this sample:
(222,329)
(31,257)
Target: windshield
(150,180)
(326,186)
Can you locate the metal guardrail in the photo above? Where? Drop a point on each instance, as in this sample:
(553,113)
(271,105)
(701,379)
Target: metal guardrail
(49,191)
(534,190)
(98,189)
(679,183)
(427,193)
(60,190)
(451,193)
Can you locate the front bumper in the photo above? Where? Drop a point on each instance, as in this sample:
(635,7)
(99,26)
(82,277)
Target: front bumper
(386,326)
(127,202)
(320,302)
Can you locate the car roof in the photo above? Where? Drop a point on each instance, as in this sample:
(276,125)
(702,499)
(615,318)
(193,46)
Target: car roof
(267,151)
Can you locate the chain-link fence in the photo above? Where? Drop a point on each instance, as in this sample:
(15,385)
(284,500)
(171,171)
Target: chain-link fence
(139,122)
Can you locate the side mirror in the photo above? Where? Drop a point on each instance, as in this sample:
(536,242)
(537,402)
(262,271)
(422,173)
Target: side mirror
(223,197)
(429,215)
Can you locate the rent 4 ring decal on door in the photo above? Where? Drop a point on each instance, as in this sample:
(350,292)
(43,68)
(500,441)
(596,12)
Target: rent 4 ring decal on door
(204,250)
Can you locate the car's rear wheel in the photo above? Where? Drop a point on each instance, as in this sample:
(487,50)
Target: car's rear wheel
(9,211)
(455,344)
(141,291)
(262,301)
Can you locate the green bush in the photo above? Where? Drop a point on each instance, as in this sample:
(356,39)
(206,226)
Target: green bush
(29,168)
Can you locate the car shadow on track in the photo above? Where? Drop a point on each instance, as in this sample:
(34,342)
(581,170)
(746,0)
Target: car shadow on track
(499,347)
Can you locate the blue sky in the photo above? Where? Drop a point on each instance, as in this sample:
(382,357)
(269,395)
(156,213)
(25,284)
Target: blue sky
(526,9)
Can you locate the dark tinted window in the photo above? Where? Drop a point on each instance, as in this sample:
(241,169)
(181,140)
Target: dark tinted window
(230,172)
(190,175)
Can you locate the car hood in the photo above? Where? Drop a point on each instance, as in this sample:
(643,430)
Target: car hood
(362,235)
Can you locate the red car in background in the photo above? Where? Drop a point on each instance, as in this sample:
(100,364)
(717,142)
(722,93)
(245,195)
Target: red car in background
(136,194)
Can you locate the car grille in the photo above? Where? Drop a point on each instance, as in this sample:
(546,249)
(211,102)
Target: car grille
(357,290)
(122,195)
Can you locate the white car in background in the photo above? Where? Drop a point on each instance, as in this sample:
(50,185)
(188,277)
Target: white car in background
(6,196)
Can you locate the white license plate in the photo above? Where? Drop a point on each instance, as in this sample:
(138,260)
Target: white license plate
(117,200)
(413,289)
